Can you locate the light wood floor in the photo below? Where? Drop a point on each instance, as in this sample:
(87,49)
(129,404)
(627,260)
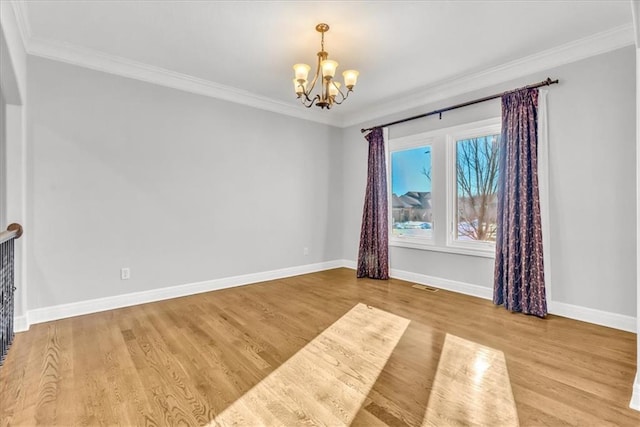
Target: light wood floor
(196,360)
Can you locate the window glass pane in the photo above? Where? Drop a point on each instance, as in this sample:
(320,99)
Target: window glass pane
(411,192)
(476,186)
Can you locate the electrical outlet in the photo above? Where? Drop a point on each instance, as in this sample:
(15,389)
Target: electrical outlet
(125,273)
(305,251)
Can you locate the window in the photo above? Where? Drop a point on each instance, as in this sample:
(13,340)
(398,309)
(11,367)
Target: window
(411,209)
(443,189)
(476,188)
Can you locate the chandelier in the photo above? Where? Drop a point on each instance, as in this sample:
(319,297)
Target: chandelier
(330,92)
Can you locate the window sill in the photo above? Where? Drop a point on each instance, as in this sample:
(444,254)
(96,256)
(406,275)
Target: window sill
(483,253)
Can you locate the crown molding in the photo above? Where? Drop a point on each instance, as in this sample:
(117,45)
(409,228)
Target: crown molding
(111,64)
(99,61)
(596,44)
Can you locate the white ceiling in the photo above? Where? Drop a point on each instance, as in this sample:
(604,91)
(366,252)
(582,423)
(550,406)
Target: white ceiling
(397,46)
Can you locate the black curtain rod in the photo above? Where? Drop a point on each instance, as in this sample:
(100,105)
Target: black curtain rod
(464,104)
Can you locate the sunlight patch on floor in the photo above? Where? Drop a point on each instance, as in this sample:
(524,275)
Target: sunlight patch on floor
(326,382)
(471,387)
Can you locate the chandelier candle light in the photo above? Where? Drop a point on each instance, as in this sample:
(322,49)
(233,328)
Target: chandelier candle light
(325,71)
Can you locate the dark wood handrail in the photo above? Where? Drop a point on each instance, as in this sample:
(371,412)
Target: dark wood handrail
(14,231)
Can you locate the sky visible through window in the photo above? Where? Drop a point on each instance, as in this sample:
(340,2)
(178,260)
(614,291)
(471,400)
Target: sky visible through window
(407,168)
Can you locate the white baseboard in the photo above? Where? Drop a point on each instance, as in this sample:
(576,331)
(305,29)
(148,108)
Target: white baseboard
(591,315)
(438,282)
(347,263)
(62,311)
(585,314)
(45,314)
(446,284)
(635,396)
(20,324)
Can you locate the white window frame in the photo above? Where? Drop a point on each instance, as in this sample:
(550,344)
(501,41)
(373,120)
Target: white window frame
(443,180)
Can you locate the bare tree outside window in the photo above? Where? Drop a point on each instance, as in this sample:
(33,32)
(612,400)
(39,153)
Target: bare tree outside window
(477,187)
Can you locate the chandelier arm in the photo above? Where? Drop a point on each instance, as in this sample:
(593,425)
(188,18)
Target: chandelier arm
(306,95)
(311,101)
(343,97)
(341,94)
(315,79)
(340,91)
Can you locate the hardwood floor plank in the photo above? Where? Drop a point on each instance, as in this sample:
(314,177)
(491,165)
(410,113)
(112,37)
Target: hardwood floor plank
(190,360)
(326,381)
(26,406)
(15,386)
(471,387)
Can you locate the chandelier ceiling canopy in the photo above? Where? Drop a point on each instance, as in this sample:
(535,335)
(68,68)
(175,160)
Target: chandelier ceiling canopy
(330,91)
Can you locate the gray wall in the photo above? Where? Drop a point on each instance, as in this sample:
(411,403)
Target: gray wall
(183,188)
(178,187)
(3,163)
(13,77)
(592,184)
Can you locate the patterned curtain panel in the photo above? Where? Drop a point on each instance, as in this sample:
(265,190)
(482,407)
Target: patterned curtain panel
(373,255)
(519,269)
